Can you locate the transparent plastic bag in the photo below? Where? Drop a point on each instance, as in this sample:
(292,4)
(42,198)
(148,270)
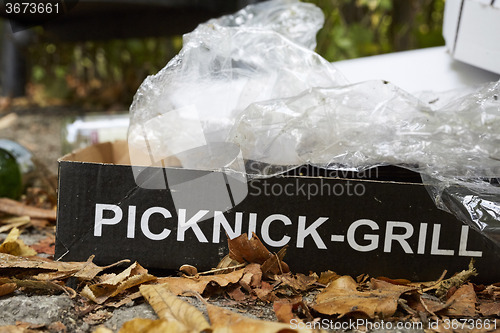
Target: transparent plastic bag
(248,87)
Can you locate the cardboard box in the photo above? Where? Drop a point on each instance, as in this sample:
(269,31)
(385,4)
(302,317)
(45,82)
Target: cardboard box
(382,222)
(470,29)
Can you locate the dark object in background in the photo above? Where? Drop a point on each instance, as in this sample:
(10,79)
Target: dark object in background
(102,20)
(10,176)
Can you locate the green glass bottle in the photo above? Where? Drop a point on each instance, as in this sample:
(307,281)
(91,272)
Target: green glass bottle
(11,184)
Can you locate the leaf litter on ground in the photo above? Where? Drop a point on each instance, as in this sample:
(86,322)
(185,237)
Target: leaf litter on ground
(250,275)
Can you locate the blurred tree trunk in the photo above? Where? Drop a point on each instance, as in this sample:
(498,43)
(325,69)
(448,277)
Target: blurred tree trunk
(403,23)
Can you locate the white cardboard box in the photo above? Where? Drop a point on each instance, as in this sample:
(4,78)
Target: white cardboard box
(471,29)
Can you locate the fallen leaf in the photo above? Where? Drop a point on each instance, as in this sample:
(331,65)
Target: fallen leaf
(7,288)
(14,207)
(31,326)
(14,222)
(15,329)
(226,265)
(181,285)
(342,297)
(265,292)
(97,317)
(40,223)
(298,282)
(242,249)
(15,246)
(489,308)
(46,245)
(327,277)
(236,294)
(432,304)
(462,303)
(224,320)
(251,278)
(38,285)
(283,308)
(274,264)
(112,285)
(188,270)
(57,269)
(57,327)
(171,308)
(126,300)
(150,326)
(401,282)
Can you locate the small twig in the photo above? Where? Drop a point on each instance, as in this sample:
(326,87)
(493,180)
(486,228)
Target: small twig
(215,270)
(437,282)
(404,305)
(13,207)
(306,311)
(279,264)
(425,306)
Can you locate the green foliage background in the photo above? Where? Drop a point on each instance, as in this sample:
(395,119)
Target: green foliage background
(107,72)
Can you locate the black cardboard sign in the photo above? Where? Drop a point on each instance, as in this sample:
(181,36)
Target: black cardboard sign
(350,226)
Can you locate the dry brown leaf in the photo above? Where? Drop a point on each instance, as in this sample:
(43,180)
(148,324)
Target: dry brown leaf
(188,270)
(95,318)
(14,207)
(40,223)
(489,308)
(327,277)
(283,308)
(226,321)
(462,303)
(298,282)
(38,285)
(14,222)
(15,246)
(431,304)
(57,327)
(57,269)
(15,329)
(251,278)
(265,292)
(342,297)
(151,326)
(181,285)
(274,264)
(173,309)
(112,285)
(126,300)
(401,282)
(250,250)
(226,265)
(236,294)
(46,245)
(7,288)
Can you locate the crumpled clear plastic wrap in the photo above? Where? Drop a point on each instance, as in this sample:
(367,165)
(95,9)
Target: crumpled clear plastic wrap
(248,87)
